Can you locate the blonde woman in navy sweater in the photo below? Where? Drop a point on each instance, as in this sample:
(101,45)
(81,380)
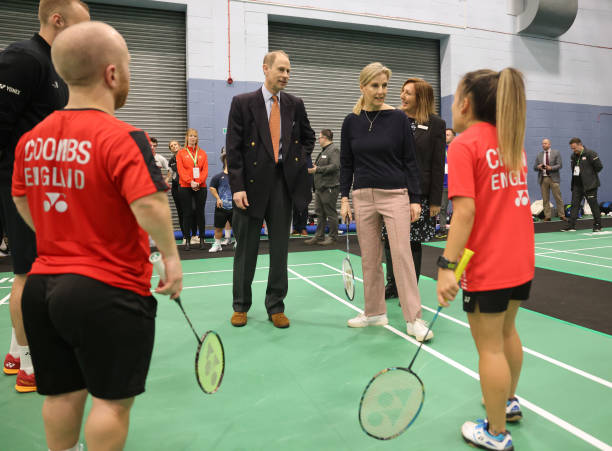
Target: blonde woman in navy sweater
(377,158)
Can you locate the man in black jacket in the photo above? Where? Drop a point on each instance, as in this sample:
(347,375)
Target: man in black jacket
(30,90)
(585,165)
(268,143)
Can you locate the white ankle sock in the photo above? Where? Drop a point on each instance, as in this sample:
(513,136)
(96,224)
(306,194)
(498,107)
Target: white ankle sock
(26,359)
(218,241)
(228,233)
(14,349)
(77,447)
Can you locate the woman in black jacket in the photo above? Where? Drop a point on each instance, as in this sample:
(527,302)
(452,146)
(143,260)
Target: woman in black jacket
(429,135)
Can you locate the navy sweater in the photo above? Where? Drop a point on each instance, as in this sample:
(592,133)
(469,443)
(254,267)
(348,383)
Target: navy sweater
(382,158)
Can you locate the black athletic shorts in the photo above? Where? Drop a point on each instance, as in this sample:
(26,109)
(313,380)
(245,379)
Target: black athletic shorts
(222,216)
(22,240)
(494,301)
(84,333)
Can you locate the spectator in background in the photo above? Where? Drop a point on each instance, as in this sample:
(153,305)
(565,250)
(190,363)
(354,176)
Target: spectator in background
(192,165)
(450,135)
(326,172)
(160,160)
(221,191)
(547,163)
(173,180)
(585,164)
(32,89)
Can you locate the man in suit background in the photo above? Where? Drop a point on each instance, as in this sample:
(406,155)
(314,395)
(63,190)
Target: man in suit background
(585,164)
(547,163)
(268,142)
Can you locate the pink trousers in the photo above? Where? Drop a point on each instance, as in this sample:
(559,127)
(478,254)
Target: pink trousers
(372,206)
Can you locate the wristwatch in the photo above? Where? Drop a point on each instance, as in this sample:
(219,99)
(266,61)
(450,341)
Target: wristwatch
(445,264)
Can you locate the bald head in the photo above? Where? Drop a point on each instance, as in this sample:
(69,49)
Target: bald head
(82,52)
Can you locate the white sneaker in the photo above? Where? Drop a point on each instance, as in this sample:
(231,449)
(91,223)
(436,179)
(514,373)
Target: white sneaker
(194,240)
(225,241)
(216,247)
(418,329)
(477,434)
(363,321)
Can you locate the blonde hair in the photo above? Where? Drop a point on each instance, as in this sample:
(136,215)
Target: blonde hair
(46,8)
(425,103)
(189,130)
(367,74)
(499,99)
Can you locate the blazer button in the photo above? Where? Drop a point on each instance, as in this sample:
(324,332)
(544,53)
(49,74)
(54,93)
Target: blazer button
(297,159)
(252,143)
(255,163)
(296,141)
(251,180)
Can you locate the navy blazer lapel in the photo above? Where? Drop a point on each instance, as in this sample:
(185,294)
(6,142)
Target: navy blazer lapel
(287,109)
(258,108)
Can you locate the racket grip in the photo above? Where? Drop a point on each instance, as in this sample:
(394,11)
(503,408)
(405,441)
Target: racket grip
(465,258)
(158,264)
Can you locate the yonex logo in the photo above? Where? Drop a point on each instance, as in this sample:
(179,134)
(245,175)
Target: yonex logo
(466,300)
(60,206)
(522,197)
(55,84)
(10,89)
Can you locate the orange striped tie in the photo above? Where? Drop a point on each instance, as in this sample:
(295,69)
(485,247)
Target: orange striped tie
(275,127)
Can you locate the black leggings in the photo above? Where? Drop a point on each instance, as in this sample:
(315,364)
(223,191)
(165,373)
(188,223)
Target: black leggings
(192,203)
(417,256)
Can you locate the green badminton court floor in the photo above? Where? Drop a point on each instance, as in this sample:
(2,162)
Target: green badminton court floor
(299,388)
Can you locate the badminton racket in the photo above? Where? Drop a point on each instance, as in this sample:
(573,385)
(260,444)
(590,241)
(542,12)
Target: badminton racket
(210,356)
(348,276)
(394,397)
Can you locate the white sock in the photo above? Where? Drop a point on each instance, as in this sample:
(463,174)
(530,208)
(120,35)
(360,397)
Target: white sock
(228,233)
(217,242)
(26,359)
(14,349)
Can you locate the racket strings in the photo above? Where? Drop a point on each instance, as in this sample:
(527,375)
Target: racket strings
(390,403)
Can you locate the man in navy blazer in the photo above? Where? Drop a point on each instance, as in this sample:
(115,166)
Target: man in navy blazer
(548,163)
(264,188)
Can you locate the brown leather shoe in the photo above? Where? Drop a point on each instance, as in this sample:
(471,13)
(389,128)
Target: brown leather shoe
(279,320)
(239,319)
(563,218)
(546,220)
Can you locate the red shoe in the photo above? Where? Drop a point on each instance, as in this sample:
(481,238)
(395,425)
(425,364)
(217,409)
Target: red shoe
(25,383)
(11,364)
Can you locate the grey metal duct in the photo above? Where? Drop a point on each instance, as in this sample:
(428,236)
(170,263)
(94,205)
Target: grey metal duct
(550,18)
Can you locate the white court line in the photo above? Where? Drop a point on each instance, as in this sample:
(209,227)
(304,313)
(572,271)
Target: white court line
(537,354)
(231,270)
(577,239)
(259,281)
(573,261)
(572,252)
(533,407)
(4,300)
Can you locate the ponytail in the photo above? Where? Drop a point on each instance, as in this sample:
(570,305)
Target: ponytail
(510,115)
(358,106)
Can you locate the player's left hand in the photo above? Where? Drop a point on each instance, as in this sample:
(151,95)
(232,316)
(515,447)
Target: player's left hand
(415,212)
(434,210)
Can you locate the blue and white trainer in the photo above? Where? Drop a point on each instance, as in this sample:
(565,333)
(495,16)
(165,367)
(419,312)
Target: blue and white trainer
(513,410)
(477,434)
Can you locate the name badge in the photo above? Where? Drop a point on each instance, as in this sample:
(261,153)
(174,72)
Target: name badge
(196,173)
(446,168)
(576,170)
(423,127)
(323,156)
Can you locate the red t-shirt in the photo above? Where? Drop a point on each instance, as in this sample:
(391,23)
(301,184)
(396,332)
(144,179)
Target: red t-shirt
(502,237)
(80,170)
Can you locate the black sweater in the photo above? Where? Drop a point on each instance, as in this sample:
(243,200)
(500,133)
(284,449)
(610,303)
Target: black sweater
(30,90)
(382,158)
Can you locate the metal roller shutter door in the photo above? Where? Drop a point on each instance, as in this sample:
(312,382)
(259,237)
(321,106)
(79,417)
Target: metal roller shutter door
(157,102)
(325,66)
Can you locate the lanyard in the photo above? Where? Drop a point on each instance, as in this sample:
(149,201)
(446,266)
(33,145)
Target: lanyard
(579,158)
(195,159)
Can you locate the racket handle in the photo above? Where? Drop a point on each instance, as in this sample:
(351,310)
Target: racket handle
(465,258)
(158,264)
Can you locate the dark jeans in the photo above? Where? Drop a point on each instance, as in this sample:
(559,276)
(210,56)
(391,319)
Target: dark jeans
(188,197)
(177,204)
(578,193)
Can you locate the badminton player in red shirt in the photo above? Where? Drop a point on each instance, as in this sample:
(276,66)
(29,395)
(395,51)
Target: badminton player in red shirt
(88,184)
(487,184)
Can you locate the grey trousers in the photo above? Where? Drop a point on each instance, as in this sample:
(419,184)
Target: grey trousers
(547,186)
(327,215)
